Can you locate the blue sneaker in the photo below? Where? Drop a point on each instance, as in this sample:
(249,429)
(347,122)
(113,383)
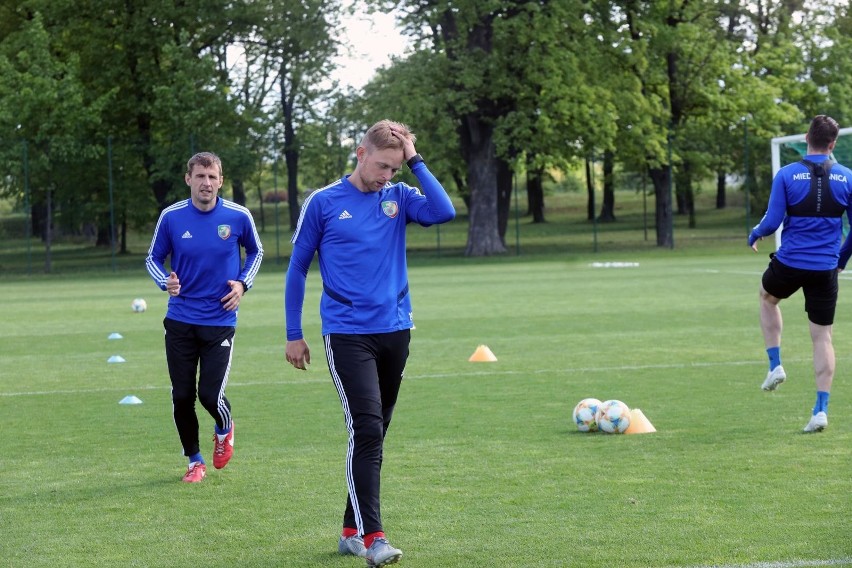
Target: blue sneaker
(351,546)
(381,553)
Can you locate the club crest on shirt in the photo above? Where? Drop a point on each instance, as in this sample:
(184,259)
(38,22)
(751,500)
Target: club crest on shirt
(224,232)
(390,208)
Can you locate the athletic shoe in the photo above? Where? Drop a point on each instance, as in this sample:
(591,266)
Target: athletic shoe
(774,378)
(223,449)
(381,553)
(352,545)
(817,423)
(195,472)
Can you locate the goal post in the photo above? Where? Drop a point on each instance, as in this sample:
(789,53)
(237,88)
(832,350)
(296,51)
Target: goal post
(792,148)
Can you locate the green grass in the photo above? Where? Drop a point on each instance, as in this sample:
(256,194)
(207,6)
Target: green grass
(483,466)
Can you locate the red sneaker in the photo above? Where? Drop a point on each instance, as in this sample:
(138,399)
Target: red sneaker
(195,472)
(223,449)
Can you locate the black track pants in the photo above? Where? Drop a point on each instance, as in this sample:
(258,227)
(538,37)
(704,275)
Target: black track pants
(367,371)
(202,353)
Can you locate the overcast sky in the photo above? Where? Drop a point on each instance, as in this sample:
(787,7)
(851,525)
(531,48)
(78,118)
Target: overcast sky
(373,39)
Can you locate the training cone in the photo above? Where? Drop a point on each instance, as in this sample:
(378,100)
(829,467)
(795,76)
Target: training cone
(115,335)
(116,359)
(130,399)
(482,354)
(639,424)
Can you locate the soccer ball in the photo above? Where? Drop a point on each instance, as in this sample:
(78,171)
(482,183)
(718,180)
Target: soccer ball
(613,417)
(139,305)
(584,414)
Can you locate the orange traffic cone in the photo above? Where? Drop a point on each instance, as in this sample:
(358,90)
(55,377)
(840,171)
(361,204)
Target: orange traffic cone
(639,424)
(482,354)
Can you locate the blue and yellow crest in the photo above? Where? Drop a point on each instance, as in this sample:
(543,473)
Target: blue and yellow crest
(390,208)
(224,232)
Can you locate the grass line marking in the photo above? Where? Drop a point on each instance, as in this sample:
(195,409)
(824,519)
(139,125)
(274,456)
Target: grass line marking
(492,372)
(786,564)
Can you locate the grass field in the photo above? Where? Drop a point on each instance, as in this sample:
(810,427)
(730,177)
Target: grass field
(483,466)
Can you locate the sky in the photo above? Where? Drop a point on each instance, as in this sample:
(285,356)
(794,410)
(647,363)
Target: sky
(374,39)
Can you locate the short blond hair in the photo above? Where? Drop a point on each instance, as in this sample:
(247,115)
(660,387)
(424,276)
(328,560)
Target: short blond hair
(379,136)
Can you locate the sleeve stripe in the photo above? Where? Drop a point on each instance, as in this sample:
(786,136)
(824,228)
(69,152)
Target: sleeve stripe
(304,208)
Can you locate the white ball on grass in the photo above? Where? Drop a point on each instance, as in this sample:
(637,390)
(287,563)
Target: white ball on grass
(613,417)
(585,415)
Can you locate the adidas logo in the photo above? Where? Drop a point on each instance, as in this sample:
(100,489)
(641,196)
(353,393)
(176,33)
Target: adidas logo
(225,343)
(186,235)
(345,215)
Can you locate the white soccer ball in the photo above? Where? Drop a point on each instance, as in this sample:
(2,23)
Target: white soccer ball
(139,305)
(613,417)
(585,414)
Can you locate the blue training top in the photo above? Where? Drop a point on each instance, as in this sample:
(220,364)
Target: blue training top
(205,254)
(361,242)
(810,243)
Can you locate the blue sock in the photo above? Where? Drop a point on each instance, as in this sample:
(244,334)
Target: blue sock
(196,458)
(821,402)
(220,431)
(774,357)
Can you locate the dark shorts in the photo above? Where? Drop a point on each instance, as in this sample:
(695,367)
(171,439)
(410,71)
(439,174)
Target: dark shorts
(818,286)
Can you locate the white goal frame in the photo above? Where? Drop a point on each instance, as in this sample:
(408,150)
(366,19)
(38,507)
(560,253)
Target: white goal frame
(776,162)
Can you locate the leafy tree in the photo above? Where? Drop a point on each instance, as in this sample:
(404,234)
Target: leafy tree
(782,95)
(418,88)
(685,80)
(298,36)
(328,142)
(46,112)
(513,81)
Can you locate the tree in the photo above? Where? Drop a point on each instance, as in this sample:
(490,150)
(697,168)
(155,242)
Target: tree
(298,36)
(514,83)
(684,84)
(834,59)
(328,142)
(607,214)
(170,89)
(419,89)
(45,111)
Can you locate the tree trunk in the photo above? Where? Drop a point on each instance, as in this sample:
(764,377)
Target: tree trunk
(690,206)
(535,194)
(721,198)
(685,191)
(663,207)
(123,240)
(291,149)
(104,236)
(680,200)
(239,191)
(477,141)
(262,220)
(608,208)
(504,197)
(160,187)
(291,157)
(48,234)
(590,192)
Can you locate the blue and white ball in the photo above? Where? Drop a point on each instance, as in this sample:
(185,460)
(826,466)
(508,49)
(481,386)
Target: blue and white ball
(613,417)
(585,414)
(139,305)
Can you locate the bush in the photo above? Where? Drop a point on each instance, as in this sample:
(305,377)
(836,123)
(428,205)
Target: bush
(279,196)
